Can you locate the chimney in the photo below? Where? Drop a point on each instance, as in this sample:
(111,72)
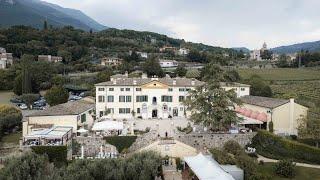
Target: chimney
(193,82)
(144,76)
(134,82)
(126,74)
(114,81)
(291,117)
(174,82)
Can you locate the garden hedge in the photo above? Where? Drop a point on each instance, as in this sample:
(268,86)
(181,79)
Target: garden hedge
(121,142)
(56,154)
(276,147)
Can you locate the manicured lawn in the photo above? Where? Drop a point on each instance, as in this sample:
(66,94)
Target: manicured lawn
(121,142)
(11,138)
(302,173)
(282,74)
(5,97)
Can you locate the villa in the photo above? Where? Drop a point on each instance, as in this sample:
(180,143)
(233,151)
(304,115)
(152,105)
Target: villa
(146,98)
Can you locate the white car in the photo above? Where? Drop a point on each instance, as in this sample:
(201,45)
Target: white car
(23,106)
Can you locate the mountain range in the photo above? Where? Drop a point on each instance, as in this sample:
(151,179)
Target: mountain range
(306,46)
(35,12)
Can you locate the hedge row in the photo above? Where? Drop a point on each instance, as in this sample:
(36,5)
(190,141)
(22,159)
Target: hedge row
(121,142)
(276,147)
(56,154)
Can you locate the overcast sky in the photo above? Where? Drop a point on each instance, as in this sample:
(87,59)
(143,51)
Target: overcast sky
(227,23)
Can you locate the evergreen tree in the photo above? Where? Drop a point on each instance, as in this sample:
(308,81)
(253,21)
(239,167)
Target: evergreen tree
(45,25)
(26,62)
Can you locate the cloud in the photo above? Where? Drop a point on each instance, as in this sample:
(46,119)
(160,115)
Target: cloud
(227,23)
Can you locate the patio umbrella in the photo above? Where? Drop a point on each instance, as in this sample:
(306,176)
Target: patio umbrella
(107,126)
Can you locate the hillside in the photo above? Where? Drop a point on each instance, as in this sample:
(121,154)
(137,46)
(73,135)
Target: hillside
(34,12)
(307,46)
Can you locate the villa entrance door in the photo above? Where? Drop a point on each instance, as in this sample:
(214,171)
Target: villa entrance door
(175,112)
(154,113)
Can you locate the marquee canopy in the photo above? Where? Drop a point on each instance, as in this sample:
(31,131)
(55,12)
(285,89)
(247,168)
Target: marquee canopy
(107,126)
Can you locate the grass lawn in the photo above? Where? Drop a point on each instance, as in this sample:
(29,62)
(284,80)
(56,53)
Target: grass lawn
(282,74)
(5,97)
(302,173)
(11,138)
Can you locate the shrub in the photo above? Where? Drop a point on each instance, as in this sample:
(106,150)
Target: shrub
(276,147)
(285,168)
(222,157)
(121,142)
(10,117)
(270,125)
(233,147)
(56,95)
(56,154)
(248,164)
(179,164)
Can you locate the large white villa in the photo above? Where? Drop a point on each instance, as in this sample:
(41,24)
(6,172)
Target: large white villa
(146,98)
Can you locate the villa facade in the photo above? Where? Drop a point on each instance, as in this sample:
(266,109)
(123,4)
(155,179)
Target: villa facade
(146,98)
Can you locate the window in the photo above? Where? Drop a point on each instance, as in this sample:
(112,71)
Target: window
(127,89)
(138,89)
(170,89)
(121,89)
(128,98)
(188,89)
(83,118)
(110,110)
(100,113)
(181,89)
(122,99)
(243,89)
(101,99)
(124,110)
(166,98)
(141,98)
(110,99)
(181,108)
(100,89)
(111,89)
(181,98)
(138,110)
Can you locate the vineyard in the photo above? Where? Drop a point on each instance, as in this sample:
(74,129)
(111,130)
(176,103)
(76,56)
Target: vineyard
(283,74)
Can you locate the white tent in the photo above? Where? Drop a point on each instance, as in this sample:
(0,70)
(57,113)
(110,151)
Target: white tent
(107,126)
(82,130)
(206,168)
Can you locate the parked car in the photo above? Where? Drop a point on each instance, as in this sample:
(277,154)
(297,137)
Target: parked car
(74,98)
(38,108)
(16,100)
(22,106)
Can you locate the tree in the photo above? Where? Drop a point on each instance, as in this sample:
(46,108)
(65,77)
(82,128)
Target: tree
(259,87)
(266,54)
(29,166)
(66,55)
(10,117)
(153,68)
(103,76)
(26,63)
(270,125)
(232,76)
(285,168)
(45,25)
(209,104)
(29,99)
(283,61)
(56,95)
(181,70)
(309,128)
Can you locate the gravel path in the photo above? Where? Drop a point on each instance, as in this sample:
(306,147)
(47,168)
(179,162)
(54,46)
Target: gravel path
(298,164)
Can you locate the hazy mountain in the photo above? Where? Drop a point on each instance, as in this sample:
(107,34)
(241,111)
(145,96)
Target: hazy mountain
(244,49)
(34,12)
(307,46)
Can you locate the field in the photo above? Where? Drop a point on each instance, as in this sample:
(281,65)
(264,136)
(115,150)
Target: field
(282,74)
(302,173)
(5,97)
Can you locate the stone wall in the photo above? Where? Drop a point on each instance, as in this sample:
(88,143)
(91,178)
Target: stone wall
(203,141)
(144,140)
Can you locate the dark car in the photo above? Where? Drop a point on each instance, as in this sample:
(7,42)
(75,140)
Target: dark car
(16,100)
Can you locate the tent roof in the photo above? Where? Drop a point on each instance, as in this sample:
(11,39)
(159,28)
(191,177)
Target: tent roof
(107,125)
(206,168)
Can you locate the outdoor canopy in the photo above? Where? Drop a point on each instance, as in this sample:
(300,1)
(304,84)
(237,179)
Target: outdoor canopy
(206,169)
(107,126)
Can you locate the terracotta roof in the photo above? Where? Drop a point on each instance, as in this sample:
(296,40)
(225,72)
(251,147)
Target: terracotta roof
(69,108)
(264,101)
(179,82)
